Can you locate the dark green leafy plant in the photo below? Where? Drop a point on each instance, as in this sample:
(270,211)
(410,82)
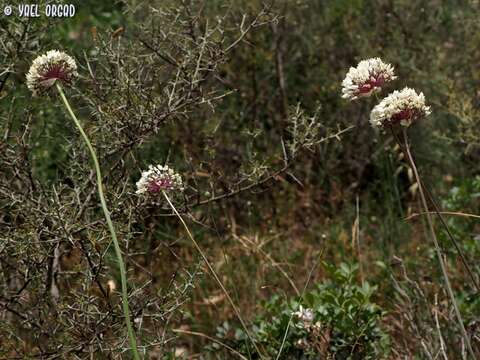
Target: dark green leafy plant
(336,320)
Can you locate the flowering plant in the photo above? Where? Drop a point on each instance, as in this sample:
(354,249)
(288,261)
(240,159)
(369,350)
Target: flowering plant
(336,319)
(57,68)
(403,107)
(49,68)
(367,77)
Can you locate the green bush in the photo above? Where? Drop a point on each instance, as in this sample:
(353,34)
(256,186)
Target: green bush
(336,320)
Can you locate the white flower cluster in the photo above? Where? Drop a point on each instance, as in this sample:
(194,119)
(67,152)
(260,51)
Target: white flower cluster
(402,107)
(48,68)
(159,178)
(369,76)
(307,318)
(306,315)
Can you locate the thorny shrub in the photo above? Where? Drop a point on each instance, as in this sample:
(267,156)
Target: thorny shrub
(148,94)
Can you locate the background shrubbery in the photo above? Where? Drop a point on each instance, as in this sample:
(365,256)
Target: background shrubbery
(215,89)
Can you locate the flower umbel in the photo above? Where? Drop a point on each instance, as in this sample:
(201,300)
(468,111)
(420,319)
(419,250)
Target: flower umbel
(369,76)
(404,107)
(157,179)
(48,68)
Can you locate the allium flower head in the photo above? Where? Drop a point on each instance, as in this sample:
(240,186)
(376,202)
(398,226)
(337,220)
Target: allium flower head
(157,179)
(404,107)
(48,68)
(369,76)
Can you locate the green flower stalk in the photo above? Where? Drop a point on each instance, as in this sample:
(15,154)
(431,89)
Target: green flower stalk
(404,108)
(406,148)
(214,274)
(57,68)
(162,180)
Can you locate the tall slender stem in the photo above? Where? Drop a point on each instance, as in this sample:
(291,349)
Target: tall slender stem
(118,251)
(439,213)
(214,274)
(437,246)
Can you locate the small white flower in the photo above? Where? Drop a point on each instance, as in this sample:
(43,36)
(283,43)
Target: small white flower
(369,76)
(111,286)
(48,68)
(402,107)
(302,344)
(317,326)
(305,315)
(157,179)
